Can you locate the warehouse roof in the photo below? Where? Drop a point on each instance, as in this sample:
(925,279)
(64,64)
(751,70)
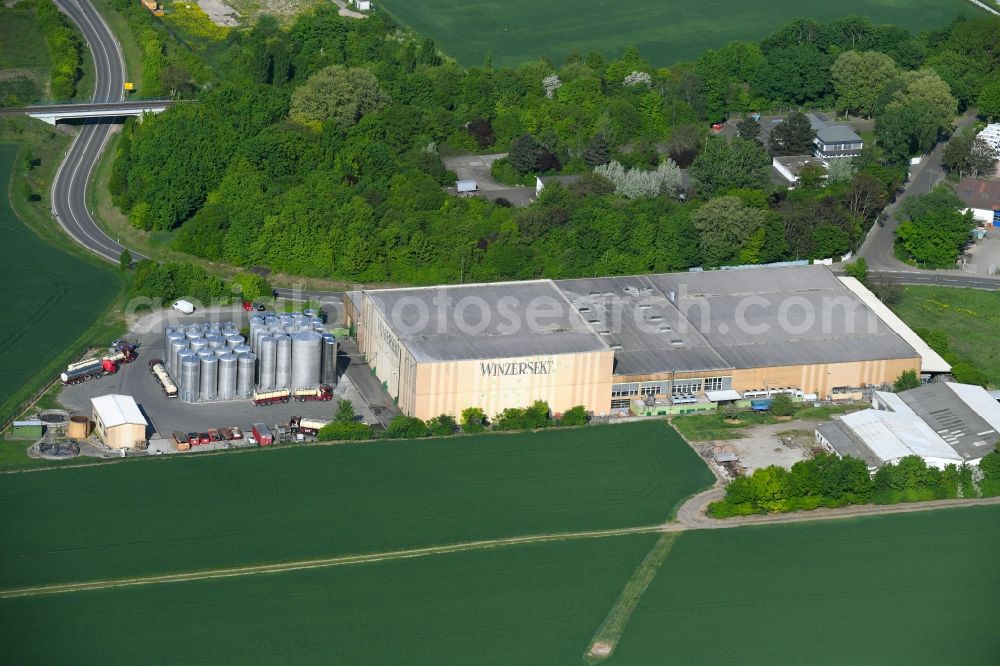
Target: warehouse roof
(477,321)
(115,410)
(846,443)
(655,324)
(774,316)
(894,435)
(930,360)
(963,415)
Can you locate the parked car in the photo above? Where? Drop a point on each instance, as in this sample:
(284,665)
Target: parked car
(204,438)
(226,433)
(717,127)
(248,306)
(237,433)
(260,307)
(214,435)
(192,438)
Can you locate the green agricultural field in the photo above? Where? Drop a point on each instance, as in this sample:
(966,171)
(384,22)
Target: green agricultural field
(918,588)
(24,58)
(196,512)
(665,32)
(50,298)
(534,604)
(969,317)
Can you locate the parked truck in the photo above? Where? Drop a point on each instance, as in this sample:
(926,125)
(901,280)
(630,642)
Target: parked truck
(322,392)
(159,372)
(98,366)
(262,434)
(306,426)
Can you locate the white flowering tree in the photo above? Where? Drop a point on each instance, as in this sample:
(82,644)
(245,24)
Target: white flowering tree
(638,183)
(551,84)
(638,79)
(840,170)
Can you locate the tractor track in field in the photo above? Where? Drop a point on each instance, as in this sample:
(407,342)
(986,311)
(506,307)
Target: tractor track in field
(690,516)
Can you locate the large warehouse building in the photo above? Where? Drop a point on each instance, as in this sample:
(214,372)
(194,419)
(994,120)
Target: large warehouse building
(604,342)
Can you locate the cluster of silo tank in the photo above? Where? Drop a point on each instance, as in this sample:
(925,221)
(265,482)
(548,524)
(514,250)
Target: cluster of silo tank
(209,362)
(293,350)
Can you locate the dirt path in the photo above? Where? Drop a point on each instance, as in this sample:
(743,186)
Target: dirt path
(300,565)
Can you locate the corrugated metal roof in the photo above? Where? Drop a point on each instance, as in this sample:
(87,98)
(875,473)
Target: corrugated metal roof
(115,410)
(893,435)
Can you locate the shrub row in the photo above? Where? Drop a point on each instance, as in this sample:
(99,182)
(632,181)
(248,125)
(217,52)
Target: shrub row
(65,50)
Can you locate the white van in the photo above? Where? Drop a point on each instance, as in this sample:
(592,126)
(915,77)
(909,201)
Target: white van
(184,306)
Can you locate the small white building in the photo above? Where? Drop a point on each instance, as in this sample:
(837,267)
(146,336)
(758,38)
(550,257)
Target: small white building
(466,186)
(792,165)
(119,422)
(363,5)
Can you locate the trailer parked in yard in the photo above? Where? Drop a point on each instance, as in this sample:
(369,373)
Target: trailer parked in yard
(99,366)
(263,398)
(157,369)
(306,426)
(322,392)
(181,441)
(262,434)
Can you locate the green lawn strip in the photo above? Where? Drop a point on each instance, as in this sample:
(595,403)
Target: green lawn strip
(205,512)
(916,588)
(533,604)
(713,425)
(519,31)
(968,317)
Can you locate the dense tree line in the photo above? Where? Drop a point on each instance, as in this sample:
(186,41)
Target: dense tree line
(831,481)
(317,151)
(933,230)
(65,50)
(172,280)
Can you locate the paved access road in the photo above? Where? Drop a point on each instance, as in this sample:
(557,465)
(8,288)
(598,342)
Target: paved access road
(69,188)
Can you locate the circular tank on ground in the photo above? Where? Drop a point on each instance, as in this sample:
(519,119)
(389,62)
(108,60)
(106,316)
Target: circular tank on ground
(190,378)
(179,363)
(209,377)
(228,369)
(234,340)
(306,359)
(79,427)
(175,347)
(222,351)
(197,344)
(205,353)
(266,355)
(245,366)
(283,361)
(328,372)
(309,312)
(319,328)
(216,340)
(241,349)
(194,333)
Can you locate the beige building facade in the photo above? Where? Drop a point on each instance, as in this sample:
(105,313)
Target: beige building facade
(118,422)
(610,342)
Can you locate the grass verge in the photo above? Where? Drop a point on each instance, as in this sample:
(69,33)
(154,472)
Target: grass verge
(969,318)
(713,425)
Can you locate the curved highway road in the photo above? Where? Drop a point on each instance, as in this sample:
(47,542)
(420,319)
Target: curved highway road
(69,188)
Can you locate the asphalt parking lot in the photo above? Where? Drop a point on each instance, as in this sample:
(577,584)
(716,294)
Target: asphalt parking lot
(167,415)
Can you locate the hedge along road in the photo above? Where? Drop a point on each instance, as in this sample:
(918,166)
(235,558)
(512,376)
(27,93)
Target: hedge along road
(49,297)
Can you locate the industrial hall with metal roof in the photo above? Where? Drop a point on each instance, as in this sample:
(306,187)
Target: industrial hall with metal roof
(604,342)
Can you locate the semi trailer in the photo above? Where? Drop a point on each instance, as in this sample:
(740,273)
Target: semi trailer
(99,366)
(322,392)
(159,372)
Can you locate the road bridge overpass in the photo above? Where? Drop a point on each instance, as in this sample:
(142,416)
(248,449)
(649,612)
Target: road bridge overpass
(53,113)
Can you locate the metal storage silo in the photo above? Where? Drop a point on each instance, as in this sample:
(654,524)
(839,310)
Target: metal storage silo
(179,363)
(245,366)
(228,370)
(175,347)
(234,339)
(306,359)
(241,349)
(215,340)
(190,378)
(309,312)
(283,361)
(319,328)
(266,362)
(209,376)
(167,332)
(197,344)
(222,351)
(328,373)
